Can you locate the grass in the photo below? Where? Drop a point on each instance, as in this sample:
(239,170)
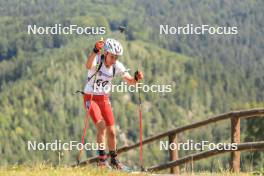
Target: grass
(219,174)
(45,170)
(58,171)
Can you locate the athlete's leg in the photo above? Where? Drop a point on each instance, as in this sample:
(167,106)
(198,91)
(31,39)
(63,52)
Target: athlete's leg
(101,129)
(111,137)
(111,134)
(108,116)
(96,115)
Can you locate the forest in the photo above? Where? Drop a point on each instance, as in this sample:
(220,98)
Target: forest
(209,74)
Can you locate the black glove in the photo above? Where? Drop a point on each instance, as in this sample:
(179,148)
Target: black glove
(95,50)
(135,75)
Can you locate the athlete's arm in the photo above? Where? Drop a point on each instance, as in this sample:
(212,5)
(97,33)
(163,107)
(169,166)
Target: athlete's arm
(90,60)
(131,80)
(98,46)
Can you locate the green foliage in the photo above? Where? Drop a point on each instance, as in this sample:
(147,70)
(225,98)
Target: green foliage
(208,74)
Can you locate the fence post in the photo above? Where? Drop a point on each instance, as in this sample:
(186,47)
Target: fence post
(235,138)
(173,154)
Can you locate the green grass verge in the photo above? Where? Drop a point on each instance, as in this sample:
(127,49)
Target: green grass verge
(44,170)
(57,171)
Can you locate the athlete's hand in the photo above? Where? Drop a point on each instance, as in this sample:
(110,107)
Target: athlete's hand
(138,75)
(98,45)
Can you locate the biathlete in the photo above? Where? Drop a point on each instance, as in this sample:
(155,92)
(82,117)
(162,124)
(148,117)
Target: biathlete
(101,70)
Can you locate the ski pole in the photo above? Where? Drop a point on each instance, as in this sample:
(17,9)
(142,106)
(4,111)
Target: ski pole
(141,132)
(87,117)
(85,127)
(140,127)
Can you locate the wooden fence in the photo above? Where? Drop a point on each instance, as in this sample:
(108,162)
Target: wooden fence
(234,118)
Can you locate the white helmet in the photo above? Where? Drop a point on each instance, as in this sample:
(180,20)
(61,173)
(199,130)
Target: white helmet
(113,46)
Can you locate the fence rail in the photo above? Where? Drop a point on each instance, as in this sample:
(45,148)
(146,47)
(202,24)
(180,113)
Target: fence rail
(206,154)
